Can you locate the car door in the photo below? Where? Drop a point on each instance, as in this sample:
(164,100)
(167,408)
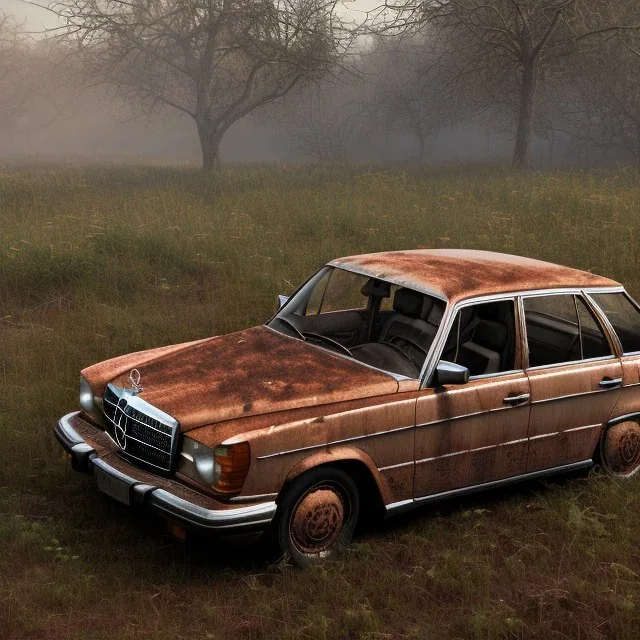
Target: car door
(575,376)
(623,315)
(472,434)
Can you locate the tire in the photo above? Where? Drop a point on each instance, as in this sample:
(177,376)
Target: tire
(317,516)
(620,450)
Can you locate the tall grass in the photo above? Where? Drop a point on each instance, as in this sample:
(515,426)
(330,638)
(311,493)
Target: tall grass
(99,261)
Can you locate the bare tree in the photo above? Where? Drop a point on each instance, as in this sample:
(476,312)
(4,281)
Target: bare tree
(414,90)
(528,37)
(15,89)
(319,121)
(215,60)
(598,104)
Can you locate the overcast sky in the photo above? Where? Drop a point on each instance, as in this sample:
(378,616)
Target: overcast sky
(36,18)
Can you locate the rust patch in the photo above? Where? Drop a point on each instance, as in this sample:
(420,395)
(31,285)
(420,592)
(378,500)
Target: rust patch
(459,274)
(621,449)
(256,371)
(317,520)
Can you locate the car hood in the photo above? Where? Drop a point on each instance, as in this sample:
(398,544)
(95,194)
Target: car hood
(242,374)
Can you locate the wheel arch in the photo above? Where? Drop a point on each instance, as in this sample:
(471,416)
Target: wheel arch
(373,488)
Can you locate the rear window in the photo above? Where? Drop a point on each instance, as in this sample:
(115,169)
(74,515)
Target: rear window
(624,316)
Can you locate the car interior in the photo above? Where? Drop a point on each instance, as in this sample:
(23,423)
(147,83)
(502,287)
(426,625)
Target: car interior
(624,316)
(384,325)
(483,338)
(561,329)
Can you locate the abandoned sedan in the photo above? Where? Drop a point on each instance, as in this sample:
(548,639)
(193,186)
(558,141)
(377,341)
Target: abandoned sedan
(387,380)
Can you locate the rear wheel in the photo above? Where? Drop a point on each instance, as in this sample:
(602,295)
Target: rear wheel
(317,515)
(620,450)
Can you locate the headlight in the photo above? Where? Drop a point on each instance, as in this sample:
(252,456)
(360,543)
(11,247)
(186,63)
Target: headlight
(224,468)
(87,402)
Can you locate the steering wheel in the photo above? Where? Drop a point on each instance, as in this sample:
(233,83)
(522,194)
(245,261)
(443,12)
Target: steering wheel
(331,341)
(291,326)
(401,352)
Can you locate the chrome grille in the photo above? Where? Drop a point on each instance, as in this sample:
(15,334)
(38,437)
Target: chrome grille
(140,430)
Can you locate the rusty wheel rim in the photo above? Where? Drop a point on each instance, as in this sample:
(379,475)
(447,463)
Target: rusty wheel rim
(318,518)
(622,449)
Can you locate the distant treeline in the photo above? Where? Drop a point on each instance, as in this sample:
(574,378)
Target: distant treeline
(534,82)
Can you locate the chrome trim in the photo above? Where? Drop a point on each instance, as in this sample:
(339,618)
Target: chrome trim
(396,466)
(572,363)
(611,335)
(573,395)
(629,386)
(635,416)
(334,442)
(450,313)
(559,433)
(255,517)
(469,415)
(258,515)
(544,435)
(147,409)
(64,429)
(254,498)
(502,374)
(589,426)
(466,451)
(522,334)
(613,289)
(567,291)
(405,505)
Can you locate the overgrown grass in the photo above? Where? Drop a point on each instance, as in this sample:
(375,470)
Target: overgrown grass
(95,262)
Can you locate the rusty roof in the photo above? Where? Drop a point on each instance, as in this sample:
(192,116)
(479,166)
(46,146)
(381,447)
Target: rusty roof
(456,274)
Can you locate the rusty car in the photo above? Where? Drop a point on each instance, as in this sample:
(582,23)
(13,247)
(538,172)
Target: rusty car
(386,381)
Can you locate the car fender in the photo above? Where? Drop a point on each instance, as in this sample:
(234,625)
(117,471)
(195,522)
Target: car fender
(343,454)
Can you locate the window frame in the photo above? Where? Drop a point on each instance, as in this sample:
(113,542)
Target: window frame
(603,313)
(451,313)
(605,326)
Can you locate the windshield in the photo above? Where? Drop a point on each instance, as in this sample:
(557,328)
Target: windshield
(368,319)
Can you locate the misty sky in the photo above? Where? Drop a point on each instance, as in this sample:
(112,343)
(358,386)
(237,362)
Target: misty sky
(36,18)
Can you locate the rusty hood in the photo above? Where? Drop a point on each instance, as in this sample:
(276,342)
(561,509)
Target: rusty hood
(241,374)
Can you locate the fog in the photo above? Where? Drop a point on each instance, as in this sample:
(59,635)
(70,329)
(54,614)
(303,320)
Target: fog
(392,99)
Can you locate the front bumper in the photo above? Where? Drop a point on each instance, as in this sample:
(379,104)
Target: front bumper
(131,491)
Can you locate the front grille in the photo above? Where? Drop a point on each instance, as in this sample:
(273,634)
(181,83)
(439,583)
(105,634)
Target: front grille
(141,431)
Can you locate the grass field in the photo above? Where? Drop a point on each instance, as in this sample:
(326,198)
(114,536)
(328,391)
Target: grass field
(96,262)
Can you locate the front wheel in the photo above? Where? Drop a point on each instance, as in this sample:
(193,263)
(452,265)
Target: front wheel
(317,515)
(620,450)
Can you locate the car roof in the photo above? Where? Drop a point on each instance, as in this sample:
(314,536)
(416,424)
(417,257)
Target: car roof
(457,274)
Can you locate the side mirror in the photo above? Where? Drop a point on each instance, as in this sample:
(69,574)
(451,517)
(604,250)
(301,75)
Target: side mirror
(282,300)
(450,373)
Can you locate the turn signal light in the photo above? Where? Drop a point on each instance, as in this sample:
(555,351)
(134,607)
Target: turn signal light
(231,467)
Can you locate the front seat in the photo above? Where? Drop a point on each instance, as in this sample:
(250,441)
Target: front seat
(404,339)
(482,354)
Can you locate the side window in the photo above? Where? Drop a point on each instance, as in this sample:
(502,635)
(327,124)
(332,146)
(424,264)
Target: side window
(483,338)
(624,316)
(561,329)
(593,342)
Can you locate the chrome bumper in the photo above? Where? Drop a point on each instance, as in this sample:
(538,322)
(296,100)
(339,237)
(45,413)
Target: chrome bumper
(124,488)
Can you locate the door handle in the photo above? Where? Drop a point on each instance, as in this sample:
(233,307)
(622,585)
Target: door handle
(514,401)
(608,383)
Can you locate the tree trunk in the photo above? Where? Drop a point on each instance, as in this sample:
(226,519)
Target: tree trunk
(526,117)
(422,148)
(210,139)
